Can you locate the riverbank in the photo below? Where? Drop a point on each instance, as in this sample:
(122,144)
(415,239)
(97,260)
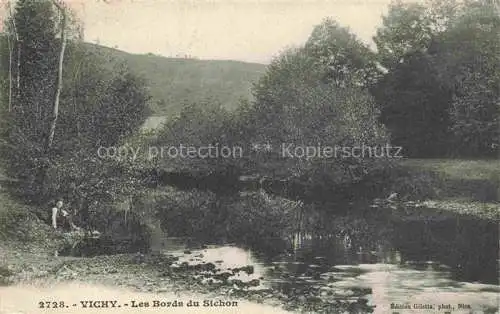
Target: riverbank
(448,186)
(456,179)
(316,279)
(36,273)
(332,280)
(145,278)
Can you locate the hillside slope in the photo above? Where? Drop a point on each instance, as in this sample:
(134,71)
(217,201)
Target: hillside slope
(179,81)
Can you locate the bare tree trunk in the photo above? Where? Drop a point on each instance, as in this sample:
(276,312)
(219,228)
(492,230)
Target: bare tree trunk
(18,73)
(18,49)
(10,72)
(76,80)
(59,84)
(12,47)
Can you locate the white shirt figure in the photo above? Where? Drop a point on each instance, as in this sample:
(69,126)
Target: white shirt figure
(56,211)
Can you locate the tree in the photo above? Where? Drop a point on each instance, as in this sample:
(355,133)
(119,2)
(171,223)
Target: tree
(59,84)
(340,56)
(406,29)
(276,95)
(200,125)
(35,28)
(95,101)
(440,94)
(468,55)
(316,95)
(12,41)
(34,25)
(414,106)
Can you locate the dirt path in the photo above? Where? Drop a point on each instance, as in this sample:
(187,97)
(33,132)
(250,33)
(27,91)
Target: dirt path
(79,282)
(25,299)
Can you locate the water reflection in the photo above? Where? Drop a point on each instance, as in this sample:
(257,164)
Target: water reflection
(375,260)
(468,246)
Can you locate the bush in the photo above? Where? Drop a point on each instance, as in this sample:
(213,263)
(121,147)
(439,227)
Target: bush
(20,223)
(247,219)
(410,184)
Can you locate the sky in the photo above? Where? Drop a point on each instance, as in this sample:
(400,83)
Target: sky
(245,30)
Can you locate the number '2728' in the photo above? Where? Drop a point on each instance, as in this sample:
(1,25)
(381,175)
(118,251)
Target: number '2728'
(51,304)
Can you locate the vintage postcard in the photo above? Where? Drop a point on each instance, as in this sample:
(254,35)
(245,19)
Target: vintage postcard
(249,156)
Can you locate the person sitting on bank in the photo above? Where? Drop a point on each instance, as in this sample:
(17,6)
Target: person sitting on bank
(61,218)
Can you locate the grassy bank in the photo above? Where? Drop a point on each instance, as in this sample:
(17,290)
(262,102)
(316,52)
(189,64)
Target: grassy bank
(21,227)
(21,234)
(458,169)
(470,187)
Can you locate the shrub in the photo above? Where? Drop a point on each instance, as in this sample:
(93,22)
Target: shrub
(247,219)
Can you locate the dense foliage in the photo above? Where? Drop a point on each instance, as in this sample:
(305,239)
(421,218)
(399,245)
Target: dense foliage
(298,102)
(440,95)
(432,88)
(248,219)
(101,104)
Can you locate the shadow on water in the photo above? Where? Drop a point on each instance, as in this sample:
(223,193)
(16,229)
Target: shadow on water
(468,246)
(371,259)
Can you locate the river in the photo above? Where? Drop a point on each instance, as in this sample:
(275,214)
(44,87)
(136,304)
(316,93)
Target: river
(354,261)
(368,261)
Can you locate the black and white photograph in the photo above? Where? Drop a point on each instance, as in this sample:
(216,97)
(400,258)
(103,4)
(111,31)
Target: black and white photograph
(250,156)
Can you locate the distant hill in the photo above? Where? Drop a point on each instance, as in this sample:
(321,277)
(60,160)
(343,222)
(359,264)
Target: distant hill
(179,81)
